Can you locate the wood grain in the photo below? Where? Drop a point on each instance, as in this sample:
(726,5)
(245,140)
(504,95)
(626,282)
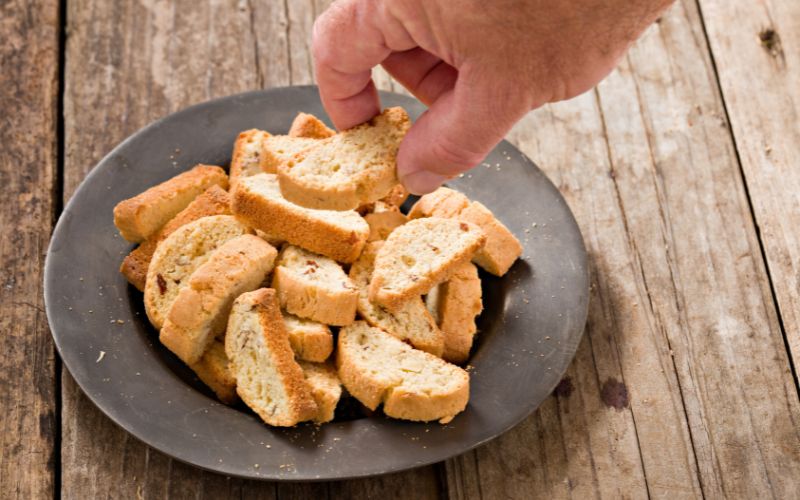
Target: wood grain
(128,63)
(758,66)
(681,311)
(28,174)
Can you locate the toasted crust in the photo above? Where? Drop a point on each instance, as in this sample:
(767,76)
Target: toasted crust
(349,169)
(315,287)
(200,311)
(339,235)
(381,224)
(376,368)
(140,217)
(268,379)
(213,369)
(455,304)
(246,156)
(310,340)
(396,197)
(214,201)
(325,388)
(176,258)
(412,322)
(420,254)
(502,248)
(310,127)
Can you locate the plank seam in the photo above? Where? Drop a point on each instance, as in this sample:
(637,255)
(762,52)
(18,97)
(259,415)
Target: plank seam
(58,207)
(256,52)
(288,40)
(760,240)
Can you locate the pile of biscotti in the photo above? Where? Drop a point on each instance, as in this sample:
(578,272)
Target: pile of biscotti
(252,277)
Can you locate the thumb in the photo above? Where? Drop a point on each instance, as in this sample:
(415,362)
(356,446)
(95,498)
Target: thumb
(457,133)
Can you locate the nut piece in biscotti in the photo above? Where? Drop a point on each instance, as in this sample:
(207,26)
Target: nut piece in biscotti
(177,257)
(246,156)
(420,254)
(349,169)
(314,287)
(455,304)
(200,311)
(268,379)
(376,368)
(258,202)
(381,224)
(411,322)
(140,217)
(310,340)
(213,369)
(214,201)
(325,388)
(502,248)
(309,126)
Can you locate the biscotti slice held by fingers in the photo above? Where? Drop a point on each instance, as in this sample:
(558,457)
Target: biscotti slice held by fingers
(200,311)
(246,156)
(268,379)
(455,304)
(420,254)
(278,150)
(325,386)
(502,248)
(411,322)
(314,287)
(351,168)
(258,202)
(396,197)
(214,201)
(177,257)
(140,217)
(376,368)
(309,126)
(213,369)
(310,340)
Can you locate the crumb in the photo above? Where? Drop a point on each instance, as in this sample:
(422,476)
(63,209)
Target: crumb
(101,356)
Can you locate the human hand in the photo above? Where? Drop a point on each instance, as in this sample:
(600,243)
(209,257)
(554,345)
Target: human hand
(479,66)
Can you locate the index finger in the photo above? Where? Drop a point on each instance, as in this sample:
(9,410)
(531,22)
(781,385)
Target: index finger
(349,39)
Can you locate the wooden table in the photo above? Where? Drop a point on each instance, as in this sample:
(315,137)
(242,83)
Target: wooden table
(682,168)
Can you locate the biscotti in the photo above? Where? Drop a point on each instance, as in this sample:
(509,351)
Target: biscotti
(412,322)
(213,369)
(176,258)
(396,197)
(349,169)
(258,202)
(214,201)
(454,305)
(420,254)
(325,386)
(200,310)
(246,156)
(502,248)
(268,379)
(376,368)
(309,126)
(140,217)
(314,287)
(382,223)
(280,149)
(310,340)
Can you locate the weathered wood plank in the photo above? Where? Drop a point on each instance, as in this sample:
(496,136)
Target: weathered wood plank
(681,311)
(758,65)
(128,64)
(28,174)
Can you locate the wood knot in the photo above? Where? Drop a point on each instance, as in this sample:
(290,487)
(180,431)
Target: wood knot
(771,42)
(614,394)
(564,388)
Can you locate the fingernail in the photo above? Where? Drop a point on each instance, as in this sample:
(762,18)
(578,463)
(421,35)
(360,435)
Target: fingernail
(422,182)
